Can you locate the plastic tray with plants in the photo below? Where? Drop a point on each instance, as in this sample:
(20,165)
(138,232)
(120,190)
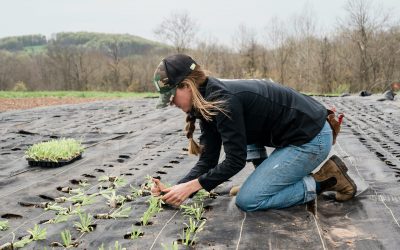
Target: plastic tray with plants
(54,153)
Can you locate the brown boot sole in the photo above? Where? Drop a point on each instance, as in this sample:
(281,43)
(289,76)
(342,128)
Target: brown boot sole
(344,170)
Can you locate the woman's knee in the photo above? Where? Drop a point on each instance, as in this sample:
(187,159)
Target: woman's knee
(246,203)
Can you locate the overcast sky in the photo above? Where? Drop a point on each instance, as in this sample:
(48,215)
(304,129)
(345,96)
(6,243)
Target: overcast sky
(216,18)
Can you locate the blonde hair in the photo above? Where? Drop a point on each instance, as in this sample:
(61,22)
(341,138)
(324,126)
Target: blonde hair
(207,109)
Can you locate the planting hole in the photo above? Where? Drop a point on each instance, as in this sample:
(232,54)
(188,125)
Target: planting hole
(43,221)
(26,204)
(99,170)
(15,149)
(11,216)
(127,236)
(174,162)
(208,208)
(139,223)
(89,176)
(120,160)
(168,166)
(74,182)
(191,242)
(46,197)
(129,174)
(157,177)
(161,172)
(124,156)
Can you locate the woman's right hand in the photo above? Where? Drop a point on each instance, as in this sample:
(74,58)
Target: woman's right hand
(157,187)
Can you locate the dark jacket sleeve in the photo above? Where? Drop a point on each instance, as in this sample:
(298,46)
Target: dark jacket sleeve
(232,132)
(211,141)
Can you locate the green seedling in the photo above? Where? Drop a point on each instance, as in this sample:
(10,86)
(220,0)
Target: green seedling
(82,199)
(76,191)
(84,183)
(116,247)
(116,182)
(85,224)
(201,195)
(148,184)
(55,150)
(21,243)
(174,246)
(55,207)
(195,210)
(135,233)
(4,225)
(189,233)
(155,204)
(135,192)
(37,233)
(59,218)
(122,212)
(113,199)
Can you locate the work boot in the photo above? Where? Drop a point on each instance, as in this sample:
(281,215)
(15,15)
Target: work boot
(333,177)
(234,190)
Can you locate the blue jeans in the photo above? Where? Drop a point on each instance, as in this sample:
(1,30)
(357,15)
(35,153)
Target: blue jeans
(283,179)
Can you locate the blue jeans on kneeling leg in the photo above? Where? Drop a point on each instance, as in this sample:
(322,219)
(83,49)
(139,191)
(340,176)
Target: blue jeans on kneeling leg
(283,179)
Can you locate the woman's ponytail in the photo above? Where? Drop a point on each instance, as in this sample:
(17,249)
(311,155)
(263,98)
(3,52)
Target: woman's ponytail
(194,147)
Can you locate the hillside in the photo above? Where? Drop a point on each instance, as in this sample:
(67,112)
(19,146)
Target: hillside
(127,44)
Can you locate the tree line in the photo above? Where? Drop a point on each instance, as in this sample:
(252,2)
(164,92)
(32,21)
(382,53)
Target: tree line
(362,53)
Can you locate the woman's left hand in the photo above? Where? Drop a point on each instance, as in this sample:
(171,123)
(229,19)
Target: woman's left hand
(177,194)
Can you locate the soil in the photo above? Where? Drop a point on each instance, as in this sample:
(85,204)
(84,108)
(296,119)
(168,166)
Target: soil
(131,139)
(7,104)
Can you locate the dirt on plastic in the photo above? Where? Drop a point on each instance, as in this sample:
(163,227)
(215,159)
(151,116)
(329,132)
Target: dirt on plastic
(131,139)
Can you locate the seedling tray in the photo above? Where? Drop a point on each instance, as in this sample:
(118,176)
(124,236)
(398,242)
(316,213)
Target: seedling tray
(52,164)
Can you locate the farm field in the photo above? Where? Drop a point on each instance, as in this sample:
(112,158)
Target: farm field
(129,140)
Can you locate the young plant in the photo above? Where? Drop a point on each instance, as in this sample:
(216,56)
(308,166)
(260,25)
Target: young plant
(116,247)
(4,225)
(55,150)
(136,192)
(135,233)
(59,218)
(85,224)
(196,210)
(122,212)
(115,181)
(155,204)
(82,199)
(55,207)
(113,199)
(201,195)
(174,246)
(37,233)
(21,243)
(189,233)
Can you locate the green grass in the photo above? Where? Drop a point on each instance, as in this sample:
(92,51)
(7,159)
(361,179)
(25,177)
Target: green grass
(80,94)
(54,150)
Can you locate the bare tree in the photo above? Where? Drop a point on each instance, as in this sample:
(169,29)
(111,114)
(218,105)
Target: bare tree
(179,29)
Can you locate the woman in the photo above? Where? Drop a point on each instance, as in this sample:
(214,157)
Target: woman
(236,113)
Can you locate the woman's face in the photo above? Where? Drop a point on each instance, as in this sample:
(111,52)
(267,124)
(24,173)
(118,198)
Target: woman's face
(183,99)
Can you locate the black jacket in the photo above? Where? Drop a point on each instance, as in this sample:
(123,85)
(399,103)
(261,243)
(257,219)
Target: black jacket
(259,112)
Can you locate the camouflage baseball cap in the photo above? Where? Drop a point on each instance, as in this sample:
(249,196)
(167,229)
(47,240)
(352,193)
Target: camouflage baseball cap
(170,72)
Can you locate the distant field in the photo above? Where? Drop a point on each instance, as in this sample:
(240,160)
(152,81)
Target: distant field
(80,94)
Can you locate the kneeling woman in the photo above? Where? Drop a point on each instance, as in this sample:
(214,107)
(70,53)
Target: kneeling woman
(235,113)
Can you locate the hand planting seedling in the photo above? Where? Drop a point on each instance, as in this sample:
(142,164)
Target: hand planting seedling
(85,224)
(37,233)
(195,210)
(122,212)
(4,225)
(55,150)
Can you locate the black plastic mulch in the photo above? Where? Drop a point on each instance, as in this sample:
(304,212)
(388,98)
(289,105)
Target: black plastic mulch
(132,139)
